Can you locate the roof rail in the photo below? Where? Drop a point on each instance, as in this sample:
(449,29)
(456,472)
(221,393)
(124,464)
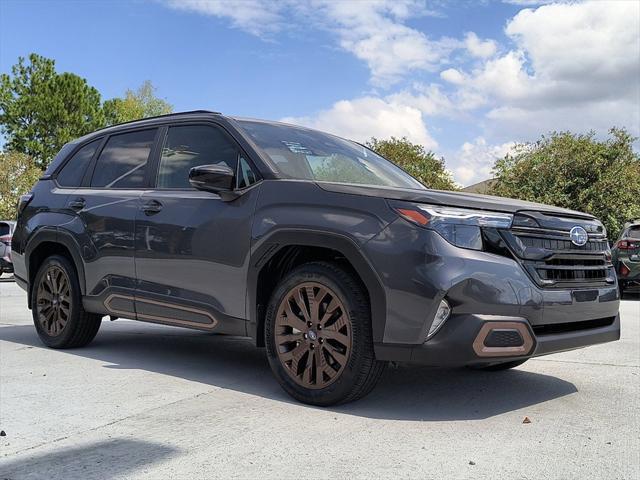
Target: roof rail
(158,116)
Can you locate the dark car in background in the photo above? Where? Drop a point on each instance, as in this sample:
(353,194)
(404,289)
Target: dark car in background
(331,257)
(6,233)
(626,256)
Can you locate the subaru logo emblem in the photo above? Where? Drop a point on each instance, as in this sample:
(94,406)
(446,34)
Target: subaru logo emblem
(578,236)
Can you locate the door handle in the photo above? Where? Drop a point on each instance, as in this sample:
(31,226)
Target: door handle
(77,204)
(152,207)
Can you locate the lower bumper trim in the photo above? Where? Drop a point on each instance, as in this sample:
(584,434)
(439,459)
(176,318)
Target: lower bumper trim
(461,342)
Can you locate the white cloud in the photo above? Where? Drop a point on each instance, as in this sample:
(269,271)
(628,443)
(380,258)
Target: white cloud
(452,75)
(374,31)
(367,117)
(473,161)
(574,66)
(258,17)
(429,99)
(479,48)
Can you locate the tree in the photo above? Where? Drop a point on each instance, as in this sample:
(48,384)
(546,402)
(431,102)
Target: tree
(18,173)
(577,172)
(423,165)
(141,103)
(41,110)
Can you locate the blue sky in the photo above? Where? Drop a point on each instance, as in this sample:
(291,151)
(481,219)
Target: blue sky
(465,78)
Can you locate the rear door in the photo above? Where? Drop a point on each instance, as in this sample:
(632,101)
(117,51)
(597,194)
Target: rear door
(107,207)
(192,247)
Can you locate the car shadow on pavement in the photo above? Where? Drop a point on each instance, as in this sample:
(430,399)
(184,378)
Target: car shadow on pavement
(114,458)
(405,392)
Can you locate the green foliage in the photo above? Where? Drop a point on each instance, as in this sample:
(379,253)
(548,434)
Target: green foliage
(577,172)
(335,168)
(422,165)
(41,110)
(141,103)
(18,173)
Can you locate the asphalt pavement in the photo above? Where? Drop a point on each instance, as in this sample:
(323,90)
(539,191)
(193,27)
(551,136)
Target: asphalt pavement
(153,402)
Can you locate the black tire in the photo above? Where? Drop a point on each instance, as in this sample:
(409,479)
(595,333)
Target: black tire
(81,326)
(361,370)
(497,367)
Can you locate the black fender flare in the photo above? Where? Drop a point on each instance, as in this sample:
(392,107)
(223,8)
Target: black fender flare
(55,235)
(276,241)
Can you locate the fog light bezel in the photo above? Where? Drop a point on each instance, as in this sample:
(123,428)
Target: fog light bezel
(435,327)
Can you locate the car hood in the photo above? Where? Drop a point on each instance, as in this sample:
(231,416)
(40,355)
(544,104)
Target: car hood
(452,199)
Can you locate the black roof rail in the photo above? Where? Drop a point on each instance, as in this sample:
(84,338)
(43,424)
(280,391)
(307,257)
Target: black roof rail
(158,116)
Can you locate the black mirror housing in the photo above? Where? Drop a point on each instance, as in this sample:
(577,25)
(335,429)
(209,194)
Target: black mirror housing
(212,178)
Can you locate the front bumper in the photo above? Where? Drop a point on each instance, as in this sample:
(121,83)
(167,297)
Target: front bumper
(457,343)
(482,289)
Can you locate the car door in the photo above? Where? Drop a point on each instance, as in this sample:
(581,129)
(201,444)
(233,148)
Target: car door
(106,208)
(192,247)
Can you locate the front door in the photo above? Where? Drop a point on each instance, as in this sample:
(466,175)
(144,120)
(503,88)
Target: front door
(192,247)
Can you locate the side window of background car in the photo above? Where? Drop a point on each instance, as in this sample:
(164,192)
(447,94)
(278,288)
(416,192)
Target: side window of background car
(123,160)
(73,171)
(189,146)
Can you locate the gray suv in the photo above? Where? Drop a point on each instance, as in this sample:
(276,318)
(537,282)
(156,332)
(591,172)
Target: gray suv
(317,248)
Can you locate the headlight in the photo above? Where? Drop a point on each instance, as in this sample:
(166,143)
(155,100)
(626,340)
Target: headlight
(459,226)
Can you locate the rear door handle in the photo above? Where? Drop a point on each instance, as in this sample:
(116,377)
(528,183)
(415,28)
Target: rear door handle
(77,204)
(152,207)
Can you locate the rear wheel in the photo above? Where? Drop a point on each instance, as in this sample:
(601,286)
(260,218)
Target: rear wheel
(497,367)
(318,336)
(58,315)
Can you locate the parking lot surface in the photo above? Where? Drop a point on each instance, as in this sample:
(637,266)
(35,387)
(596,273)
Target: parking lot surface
(149,402)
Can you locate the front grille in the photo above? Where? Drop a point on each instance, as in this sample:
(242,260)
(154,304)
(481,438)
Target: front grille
(561,244)
(554,261)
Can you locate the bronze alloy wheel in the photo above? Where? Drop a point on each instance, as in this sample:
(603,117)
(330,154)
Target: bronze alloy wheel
(313,335)
(54,300)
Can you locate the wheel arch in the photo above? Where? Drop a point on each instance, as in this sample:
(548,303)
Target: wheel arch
(49,241)
(284,250)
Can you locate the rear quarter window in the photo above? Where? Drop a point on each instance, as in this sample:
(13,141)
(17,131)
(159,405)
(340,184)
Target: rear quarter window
(73,171)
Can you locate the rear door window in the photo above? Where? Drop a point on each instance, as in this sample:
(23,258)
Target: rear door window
(72,173)
(123,160)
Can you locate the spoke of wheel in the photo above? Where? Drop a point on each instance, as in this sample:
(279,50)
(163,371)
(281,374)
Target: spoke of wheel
(340,357)
(334,304)
(308,369)
(289,337)
(299,299)
(292,319)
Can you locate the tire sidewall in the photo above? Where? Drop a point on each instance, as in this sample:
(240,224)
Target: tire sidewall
(61,340)
(359,316)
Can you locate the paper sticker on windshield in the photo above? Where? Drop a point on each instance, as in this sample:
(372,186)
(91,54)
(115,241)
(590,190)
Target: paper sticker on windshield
(297,147)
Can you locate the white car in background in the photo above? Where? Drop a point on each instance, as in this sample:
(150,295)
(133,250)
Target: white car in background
(6,232)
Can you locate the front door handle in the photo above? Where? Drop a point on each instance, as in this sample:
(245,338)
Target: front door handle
(152,207)
(77,204)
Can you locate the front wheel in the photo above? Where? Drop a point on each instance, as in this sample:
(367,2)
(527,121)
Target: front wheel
(58,315)
(318,336)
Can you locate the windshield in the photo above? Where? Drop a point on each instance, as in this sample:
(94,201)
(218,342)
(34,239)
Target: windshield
(306,154)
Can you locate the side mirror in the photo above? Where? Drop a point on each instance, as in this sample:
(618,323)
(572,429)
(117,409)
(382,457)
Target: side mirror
(212,178)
